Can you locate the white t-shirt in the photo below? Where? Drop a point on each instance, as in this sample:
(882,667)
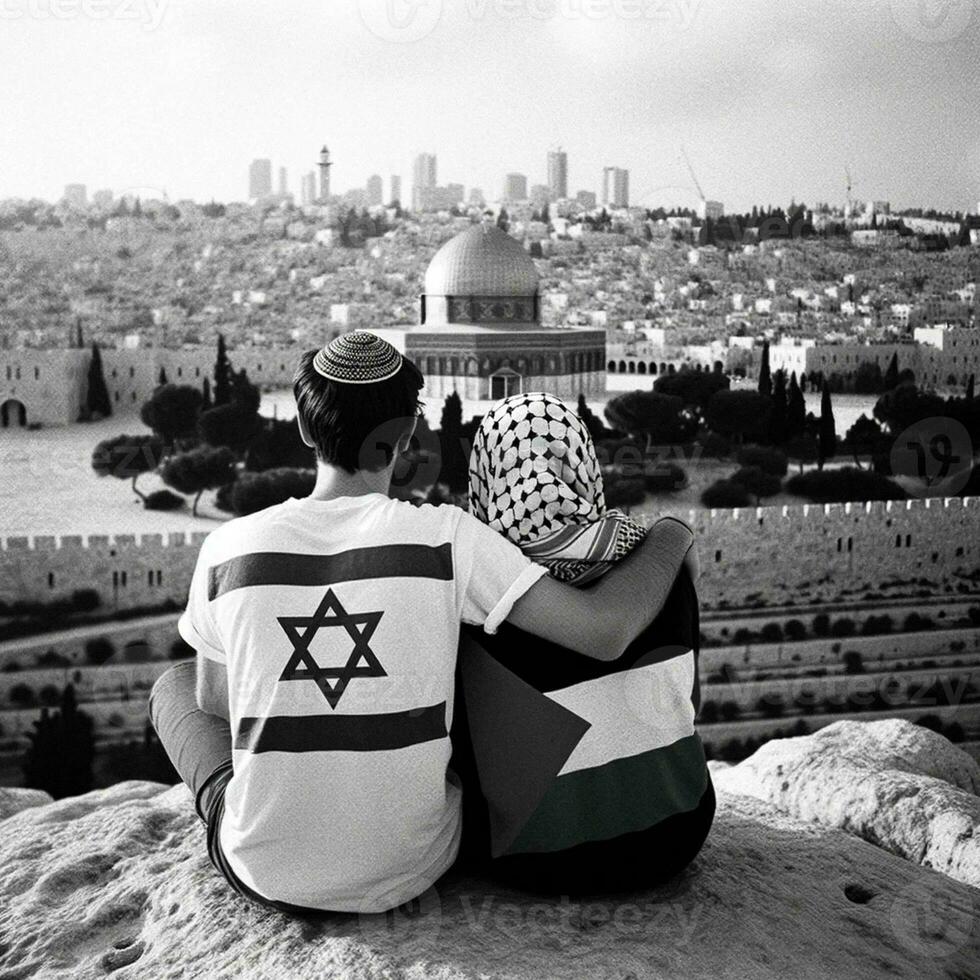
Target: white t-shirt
(339,622)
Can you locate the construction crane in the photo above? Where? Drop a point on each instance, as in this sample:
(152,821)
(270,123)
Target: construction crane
(690,170)
(849,185)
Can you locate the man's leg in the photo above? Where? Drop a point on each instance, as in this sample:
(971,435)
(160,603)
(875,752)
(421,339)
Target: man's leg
(198,744)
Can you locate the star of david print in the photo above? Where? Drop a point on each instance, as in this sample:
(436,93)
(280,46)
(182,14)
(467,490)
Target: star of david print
(330,614)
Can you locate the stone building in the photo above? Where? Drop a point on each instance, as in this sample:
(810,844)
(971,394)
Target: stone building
(480,332)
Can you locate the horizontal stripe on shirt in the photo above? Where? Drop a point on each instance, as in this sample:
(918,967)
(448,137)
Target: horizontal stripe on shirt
(342,733)
(630,712)
(283,568)
(621,797)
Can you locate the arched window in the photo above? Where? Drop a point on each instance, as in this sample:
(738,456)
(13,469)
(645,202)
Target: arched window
(653,367)
(611,367)
(632,367)
(641,368)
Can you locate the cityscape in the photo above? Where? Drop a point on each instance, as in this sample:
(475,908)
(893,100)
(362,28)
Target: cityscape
(742,250)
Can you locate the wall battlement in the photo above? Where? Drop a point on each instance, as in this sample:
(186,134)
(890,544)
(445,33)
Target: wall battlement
(796,552)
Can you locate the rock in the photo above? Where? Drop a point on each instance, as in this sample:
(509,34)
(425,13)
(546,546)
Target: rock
(13,800)
(117,881)
(892,783)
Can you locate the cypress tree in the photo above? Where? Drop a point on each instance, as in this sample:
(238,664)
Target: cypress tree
(455,465)
(827,433)
(765,375)
(222,375)
(79,339)
(891,375)
(589,419)
(795,409)
(969,389)
(163,375)
(98,394)
(206,401)
(59,759)
(780,407)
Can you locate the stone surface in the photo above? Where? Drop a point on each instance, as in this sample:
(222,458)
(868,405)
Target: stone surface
(117,882)
(892,783)
(13,800)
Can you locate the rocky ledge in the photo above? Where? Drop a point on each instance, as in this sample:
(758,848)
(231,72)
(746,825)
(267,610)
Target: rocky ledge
(852,853)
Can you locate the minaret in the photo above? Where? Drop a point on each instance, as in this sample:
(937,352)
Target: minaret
(324,166)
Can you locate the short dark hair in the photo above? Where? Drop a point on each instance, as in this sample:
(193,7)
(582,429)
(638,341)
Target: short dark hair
(340,417)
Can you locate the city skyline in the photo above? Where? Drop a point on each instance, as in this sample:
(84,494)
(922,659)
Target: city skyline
(770,102)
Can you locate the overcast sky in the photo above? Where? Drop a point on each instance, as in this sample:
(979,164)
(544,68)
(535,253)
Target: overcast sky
(770,97)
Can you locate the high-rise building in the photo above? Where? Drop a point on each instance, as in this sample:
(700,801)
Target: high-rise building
(395,183)
(283,182)
(710,210)
(476,197)
(375,194)
(558,174)
(259,179)
(76,195)
(454,194)
(615,187)
(324,165)
(307,189)
(103,199)
(515,187)
(540,195)
(586,199)
(423,181)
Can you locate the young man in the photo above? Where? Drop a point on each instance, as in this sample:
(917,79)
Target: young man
(326,631)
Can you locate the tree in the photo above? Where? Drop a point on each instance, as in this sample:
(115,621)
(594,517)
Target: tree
(98,650)
(795,409)
(726,493)
(204,468)
(694,388)
(740,415)
(651,416)
(590,420)
(243,392)
(862,437)
(904,405)
(891,374)
(868,379)
(97,402)
(827,433)
(970,388)
(206,401)
(503,221)
(162,380)
(780,407)
(455,460)
(256,491)
(222,374)
(59,759)
(128,458)
(230,425)
(767,459)
(172,412)
(848,483)
(765,375)
(757,482)
(802,449)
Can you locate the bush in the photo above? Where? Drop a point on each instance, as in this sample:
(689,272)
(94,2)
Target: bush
(623,491)
(726,493)
(86,600)
(772,633)
(914,622)
(729,710)
(765,458)
(756,481)
(22,695)
(821,625)
(256,491)
(877,625)
(665,478)
(853,664)
(770,706)
(708,714)
(795,630)
(163,500)
(51,658)
(844,484)
(99,650)
(843,627)
(715,446)
(49,695)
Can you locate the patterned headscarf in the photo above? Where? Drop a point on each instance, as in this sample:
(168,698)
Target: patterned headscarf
(534,478)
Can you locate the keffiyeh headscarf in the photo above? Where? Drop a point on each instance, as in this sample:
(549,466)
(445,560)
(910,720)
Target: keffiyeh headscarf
(534,478)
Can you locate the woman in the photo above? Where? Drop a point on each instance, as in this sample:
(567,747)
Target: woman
(579,776)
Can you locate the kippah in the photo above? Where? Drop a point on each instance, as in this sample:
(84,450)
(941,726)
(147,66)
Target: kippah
(357,358)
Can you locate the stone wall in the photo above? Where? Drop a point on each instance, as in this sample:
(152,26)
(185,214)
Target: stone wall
(803,553)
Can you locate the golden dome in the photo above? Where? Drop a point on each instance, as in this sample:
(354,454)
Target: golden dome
(481,261)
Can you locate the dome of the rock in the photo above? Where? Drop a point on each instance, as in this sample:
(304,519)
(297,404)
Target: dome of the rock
(481,261)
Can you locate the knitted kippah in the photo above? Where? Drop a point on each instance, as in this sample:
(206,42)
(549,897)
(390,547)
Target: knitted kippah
(358,358)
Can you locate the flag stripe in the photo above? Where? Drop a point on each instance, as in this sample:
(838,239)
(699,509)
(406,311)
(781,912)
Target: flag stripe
(282,568)
(621,797)
(630,712)
(342,733)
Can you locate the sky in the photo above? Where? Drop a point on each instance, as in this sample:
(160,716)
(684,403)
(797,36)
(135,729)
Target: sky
(770,98)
